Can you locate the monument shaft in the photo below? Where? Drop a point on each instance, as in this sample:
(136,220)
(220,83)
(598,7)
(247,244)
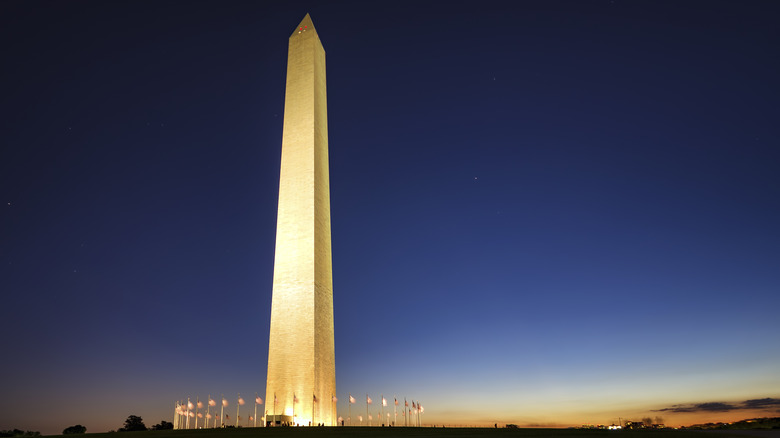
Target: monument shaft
(301,354)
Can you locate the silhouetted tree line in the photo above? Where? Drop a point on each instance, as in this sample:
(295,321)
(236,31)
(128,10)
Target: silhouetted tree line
(163,425)
(18,432)
(136,423)
(74,429)
(132,424)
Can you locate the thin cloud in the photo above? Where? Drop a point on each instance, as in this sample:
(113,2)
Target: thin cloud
(760,403)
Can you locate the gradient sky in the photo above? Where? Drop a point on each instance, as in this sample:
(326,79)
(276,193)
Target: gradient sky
(544,213)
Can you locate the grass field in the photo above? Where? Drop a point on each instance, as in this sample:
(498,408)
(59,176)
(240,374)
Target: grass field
(426,432)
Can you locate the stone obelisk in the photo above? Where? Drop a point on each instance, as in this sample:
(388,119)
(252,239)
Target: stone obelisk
(301,354)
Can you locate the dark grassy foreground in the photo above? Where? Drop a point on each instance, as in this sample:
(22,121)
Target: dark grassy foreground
(426,432)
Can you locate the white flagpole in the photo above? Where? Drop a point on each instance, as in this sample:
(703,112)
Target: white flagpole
(238,407)
(382,396)
(222,411)
(259,401)
(208,410)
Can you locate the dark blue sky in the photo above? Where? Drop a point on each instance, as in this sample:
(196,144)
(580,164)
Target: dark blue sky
(548,212)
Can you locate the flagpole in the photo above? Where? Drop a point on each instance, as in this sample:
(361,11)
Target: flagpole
(395,410)
(222,411)
(349,407)
(367,417)
(238,407)
(274,421)
(382,408)
(265,411)
(255,410)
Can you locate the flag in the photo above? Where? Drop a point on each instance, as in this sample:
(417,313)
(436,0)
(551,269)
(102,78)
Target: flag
(384,401)
(200,404)
(240,401)
(258,400)
(192,414)
(352,399)
(200,414)
(224,402)
(212,402)
(340,419)
(413,406)
(295,398)
(422,409)
(315,398)
(396,401)
(208,416)
(368,399)
(275,400)
(227,417)
(334,399)
(360,418)
(251,418)
(370,417)
(190,406)
(406,403)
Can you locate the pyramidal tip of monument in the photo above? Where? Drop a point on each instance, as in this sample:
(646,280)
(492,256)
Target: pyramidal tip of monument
(305,25)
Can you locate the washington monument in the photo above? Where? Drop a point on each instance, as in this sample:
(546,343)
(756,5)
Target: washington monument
(301,355)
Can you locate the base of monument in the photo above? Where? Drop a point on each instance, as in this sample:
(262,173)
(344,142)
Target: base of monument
(278,420)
